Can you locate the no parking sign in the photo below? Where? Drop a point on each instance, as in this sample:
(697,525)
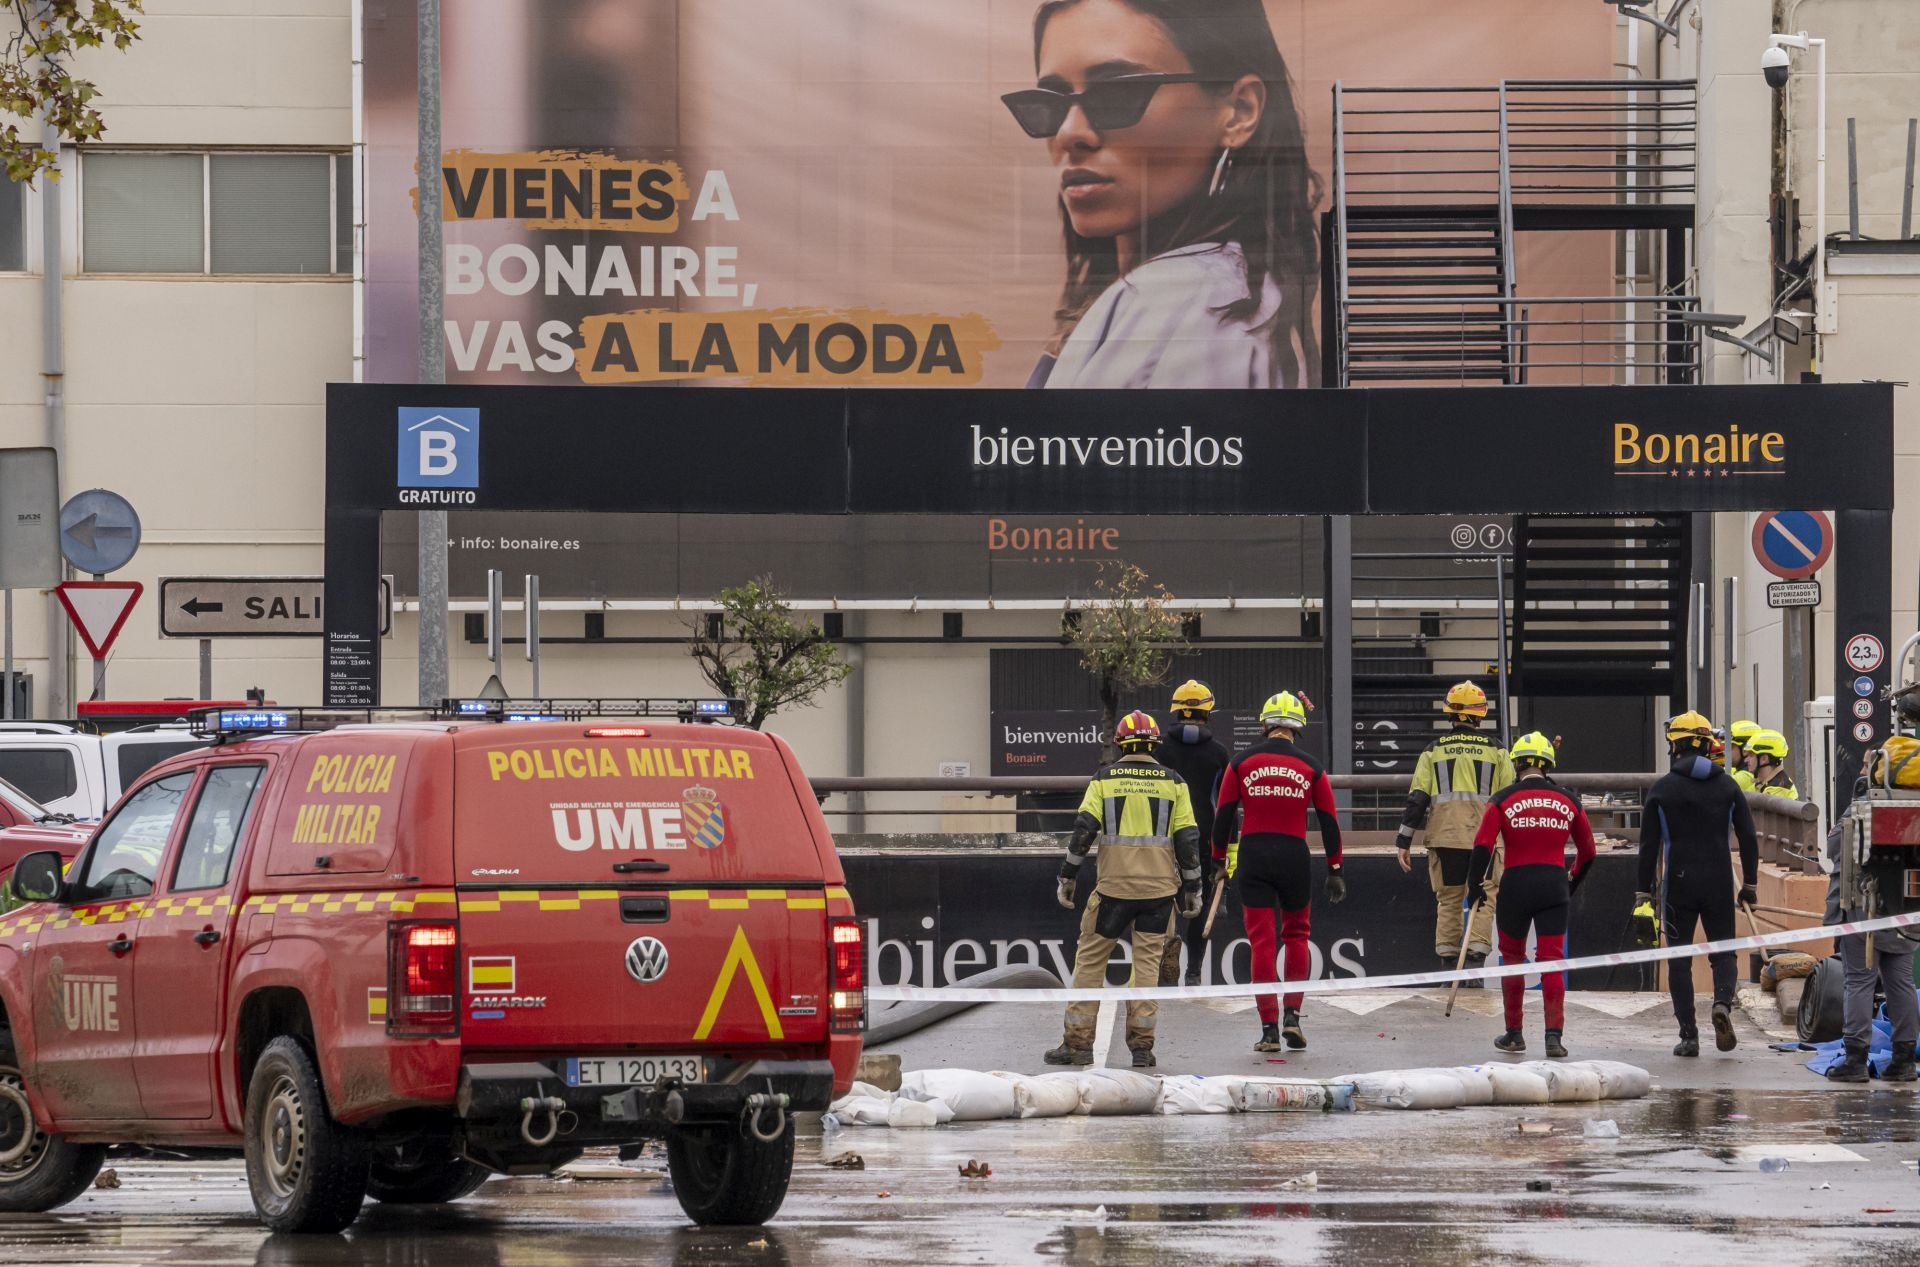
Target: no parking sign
(1793,544)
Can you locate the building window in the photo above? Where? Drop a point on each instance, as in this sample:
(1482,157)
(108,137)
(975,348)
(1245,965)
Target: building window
(13,226)
(216,213)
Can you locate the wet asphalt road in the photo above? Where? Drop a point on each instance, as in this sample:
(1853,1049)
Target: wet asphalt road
(1681,1185)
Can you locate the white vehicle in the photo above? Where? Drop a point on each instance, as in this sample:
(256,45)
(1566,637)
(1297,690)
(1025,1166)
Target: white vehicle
(72,772)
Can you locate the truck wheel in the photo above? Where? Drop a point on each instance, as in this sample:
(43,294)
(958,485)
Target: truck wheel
(1823,1003)
(723,1176)
(432,1180)
(307,1172)
(38,1172)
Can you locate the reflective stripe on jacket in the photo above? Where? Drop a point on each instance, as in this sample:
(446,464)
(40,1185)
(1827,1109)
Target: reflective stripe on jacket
(1140,805)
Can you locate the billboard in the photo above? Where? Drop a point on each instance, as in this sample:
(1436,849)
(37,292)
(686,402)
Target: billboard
(989,193)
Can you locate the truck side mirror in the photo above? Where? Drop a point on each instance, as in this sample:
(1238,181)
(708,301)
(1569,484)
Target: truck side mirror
(37,877)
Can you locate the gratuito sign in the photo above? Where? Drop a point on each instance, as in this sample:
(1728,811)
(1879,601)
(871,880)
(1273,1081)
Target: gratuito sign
(251,606)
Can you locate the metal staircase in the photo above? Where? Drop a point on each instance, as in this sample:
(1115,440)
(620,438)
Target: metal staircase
(1431,186)
(1600,606)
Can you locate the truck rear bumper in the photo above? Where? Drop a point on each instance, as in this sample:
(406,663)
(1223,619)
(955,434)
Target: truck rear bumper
(520,1115)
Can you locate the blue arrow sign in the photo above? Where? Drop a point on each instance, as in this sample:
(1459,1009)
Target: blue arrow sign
(99,531)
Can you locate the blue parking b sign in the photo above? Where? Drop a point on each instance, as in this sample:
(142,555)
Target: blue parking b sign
(1793,544)
(439,448)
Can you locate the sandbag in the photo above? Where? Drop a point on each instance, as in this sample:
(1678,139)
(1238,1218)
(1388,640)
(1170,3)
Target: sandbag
(1408,1089)
(1620,1081)
(1514,1085)
(870,1091)
(1292,1095)
(1182,1096)
(973,1096)
(1117,1093)
(1475,1086)
(1568,1083)
(904,1113)
(1049,1095)
(858,1110)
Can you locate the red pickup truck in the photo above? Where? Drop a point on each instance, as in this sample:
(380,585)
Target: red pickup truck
(391,958)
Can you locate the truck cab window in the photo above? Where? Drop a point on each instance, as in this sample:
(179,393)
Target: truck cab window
(219,820)
(125,856)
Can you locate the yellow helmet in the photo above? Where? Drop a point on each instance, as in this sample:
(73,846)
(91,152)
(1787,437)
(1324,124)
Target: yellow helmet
(1192,696)
(1284,709)
(1690,727)
(1466,700)
(1536,748)
(1768,743)
(1741,731)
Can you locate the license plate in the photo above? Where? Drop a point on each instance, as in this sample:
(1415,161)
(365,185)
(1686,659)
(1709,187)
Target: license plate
(633,1071)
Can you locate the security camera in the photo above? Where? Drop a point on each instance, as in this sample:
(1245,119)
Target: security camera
(1776,66)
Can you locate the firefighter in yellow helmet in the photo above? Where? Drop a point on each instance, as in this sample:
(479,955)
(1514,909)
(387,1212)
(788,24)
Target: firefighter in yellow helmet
(1457,775)
(1768,751)
(1142,815)
(1737,759)
(1190,750)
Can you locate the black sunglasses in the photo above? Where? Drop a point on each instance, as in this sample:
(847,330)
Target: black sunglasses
(1109,104)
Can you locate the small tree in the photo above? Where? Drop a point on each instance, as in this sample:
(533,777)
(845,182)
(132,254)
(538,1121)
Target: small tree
(1126,636)
(36,84)
(761,654)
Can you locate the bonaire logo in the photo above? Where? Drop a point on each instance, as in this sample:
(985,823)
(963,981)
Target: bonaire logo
(439,456)
(1718,454)
(703,817)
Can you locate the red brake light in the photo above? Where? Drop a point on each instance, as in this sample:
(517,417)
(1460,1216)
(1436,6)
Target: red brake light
(618,732)
(423,978)
(847,953)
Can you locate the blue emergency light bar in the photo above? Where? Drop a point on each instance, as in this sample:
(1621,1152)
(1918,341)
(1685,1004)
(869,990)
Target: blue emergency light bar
(248,719)
(533,717)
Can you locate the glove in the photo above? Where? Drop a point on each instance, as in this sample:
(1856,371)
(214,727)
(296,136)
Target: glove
(1477,894)
(1064,893)
(1645,925)
(1748,896)
(1233,857)
(1336,887)
(1190,902)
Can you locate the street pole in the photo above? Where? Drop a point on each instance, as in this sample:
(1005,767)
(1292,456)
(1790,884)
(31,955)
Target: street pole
(6,705)
(1826,319)
(433,361)
(532,606)
(496,636)
(1797,624)
(99,665)
(1500,628)
(206,668)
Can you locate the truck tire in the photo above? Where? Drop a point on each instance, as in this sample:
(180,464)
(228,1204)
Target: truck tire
(1822,1015)
(307,1172)
(724,1177)
(432,1180)
(39,1172)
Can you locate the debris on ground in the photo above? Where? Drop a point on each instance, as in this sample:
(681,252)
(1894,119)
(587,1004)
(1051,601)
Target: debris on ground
(883,1193)
(1774,1165)
(1302,1182)
(1539,1185)
(847,1161)
(1600,1128)
(601,1171)
(108,1178)
(1535,1128)
(976,1169)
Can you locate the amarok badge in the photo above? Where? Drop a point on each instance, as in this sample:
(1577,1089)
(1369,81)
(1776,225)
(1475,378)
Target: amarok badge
(704,816)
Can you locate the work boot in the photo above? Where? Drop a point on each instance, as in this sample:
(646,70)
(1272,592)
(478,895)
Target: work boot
(1512,1042)
(1291,1031)
(1066,1055)
(1723,1036)
(1193,976)
(1555,1048)
(1689,1044)
(1854,1067)
(1269,1037)
(1143,1058)
(1475,961)
(1901,1067)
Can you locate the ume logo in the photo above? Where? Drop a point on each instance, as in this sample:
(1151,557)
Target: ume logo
(624,829)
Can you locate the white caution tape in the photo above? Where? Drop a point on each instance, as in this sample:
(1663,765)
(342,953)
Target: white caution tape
(1343,985)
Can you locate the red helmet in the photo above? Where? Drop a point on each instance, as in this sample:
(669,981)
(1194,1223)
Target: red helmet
(1136,728)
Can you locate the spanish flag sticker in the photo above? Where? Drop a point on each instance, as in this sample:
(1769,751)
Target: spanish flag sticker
(490,974)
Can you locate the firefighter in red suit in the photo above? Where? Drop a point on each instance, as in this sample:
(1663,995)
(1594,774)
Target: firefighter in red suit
(1534,818)
(1273,785)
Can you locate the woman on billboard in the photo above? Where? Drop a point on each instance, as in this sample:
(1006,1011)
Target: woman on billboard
(1185,194)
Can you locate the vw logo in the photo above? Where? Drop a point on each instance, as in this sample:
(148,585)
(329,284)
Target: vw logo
(647,960)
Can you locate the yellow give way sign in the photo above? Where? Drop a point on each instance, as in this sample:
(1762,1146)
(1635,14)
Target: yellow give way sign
(739,955)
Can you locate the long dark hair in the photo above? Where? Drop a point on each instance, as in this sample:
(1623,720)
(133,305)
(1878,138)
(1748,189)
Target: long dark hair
(1267,202)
